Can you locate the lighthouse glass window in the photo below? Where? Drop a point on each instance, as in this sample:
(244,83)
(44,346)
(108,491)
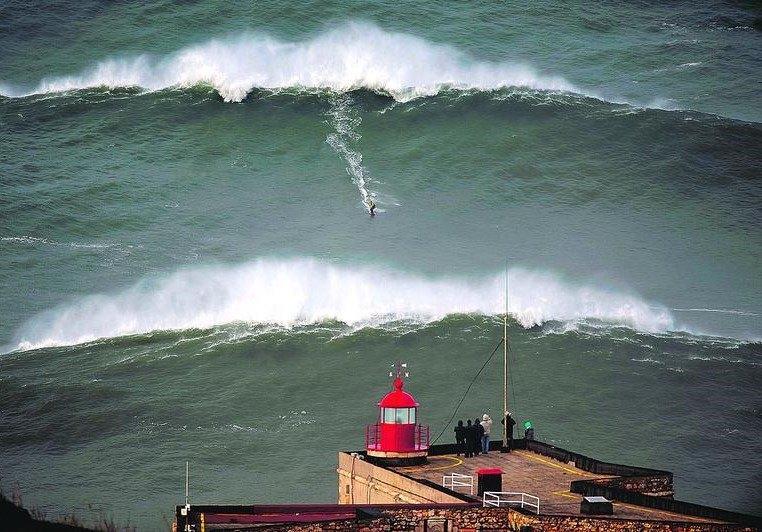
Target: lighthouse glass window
(399,415)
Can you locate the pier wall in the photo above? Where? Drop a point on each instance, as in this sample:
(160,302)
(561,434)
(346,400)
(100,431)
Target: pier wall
(638,479)
(361,482)
(655,486)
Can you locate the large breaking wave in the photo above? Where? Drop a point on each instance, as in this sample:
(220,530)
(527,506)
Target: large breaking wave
(352,56)
(304,291)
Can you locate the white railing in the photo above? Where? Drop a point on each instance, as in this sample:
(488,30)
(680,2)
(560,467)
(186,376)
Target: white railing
(456,480)
(505,498)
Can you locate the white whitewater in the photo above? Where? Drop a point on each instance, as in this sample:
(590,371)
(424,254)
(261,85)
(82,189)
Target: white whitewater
(305,291)
(351,56)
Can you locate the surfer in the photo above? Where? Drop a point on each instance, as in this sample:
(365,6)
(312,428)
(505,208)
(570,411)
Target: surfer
(371,207)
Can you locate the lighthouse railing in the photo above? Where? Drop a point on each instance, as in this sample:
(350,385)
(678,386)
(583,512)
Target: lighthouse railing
(372,437)
(422,436)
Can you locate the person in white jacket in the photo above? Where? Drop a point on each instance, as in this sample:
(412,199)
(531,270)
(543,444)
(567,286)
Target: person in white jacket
(487,424)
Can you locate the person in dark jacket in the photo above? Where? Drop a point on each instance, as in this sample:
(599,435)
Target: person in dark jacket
(460,438)
(479,435)
(474,430)
(509,423)
(470,439)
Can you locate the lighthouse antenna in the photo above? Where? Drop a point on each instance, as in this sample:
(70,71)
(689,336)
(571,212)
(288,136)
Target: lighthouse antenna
(399,371)
(505,363)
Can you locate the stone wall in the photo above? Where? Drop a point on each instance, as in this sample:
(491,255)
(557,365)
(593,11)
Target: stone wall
(549,523)
(477,519)
(655,485)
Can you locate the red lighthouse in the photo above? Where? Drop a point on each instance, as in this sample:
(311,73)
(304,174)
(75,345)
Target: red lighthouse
(397,436)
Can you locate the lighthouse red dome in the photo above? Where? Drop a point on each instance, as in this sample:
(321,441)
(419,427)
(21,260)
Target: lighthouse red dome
(398,398)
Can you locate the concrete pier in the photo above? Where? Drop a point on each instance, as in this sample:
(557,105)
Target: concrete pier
(374,496)
(641,498)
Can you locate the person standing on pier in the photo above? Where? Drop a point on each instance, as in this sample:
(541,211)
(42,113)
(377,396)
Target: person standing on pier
(509,423)
(472,439)
(468,431)
(479,436)
(487,426)
(528,430)
(460,438)
(475,438)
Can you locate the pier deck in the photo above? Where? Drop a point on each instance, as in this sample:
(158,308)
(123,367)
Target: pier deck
(534,474)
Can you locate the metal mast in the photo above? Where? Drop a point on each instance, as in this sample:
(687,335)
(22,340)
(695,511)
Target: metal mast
(505,363)
(187,482)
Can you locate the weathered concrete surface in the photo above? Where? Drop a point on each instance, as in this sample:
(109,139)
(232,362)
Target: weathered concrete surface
(534,474)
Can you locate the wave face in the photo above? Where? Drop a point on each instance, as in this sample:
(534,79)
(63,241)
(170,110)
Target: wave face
(352,56)
(305,291)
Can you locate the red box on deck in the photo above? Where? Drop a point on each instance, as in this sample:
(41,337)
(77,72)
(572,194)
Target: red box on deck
(489,479)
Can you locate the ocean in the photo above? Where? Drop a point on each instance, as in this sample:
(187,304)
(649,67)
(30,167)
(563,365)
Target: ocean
(189,271)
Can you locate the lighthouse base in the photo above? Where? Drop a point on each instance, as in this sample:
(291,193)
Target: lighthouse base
(393,459)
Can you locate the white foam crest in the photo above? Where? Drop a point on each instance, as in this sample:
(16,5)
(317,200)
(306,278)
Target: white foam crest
(302,291)
(38,241)
(718,311)
(6,90)
(351,56)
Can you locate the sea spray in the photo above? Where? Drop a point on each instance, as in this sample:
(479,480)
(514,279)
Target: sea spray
(345,119)
(303,291)
(351,56)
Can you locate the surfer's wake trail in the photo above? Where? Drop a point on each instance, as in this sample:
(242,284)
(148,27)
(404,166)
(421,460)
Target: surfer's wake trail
(351,56)
(304,291)
(345,120)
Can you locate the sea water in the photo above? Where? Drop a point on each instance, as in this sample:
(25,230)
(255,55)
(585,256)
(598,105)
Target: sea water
(189,272)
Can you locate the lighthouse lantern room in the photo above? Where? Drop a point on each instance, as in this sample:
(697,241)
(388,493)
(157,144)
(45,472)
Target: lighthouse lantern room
(397,436)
